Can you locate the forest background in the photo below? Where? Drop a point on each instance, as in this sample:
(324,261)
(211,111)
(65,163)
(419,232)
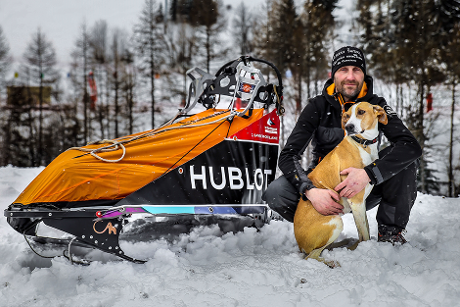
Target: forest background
(122,81)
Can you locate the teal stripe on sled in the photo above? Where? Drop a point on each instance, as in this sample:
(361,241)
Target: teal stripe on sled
(169,210)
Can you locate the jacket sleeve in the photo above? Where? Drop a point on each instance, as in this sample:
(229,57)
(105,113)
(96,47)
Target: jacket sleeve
(405,149)
(290,156)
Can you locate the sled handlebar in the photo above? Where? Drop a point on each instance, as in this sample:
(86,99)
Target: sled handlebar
(229,82)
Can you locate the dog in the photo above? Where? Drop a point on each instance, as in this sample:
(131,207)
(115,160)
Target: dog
(313,231)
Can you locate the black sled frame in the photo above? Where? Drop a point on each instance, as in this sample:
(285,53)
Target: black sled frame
(91,228)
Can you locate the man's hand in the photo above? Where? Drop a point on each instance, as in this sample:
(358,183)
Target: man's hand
(323,201)
(355,182)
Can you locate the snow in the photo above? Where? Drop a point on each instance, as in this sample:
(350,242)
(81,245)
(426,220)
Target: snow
(249,268)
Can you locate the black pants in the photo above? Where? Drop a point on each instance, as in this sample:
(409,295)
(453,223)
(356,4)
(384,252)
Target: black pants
(396,197)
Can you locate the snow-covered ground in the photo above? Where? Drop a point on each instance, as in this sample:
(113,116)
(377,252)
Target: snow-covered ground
(249,268)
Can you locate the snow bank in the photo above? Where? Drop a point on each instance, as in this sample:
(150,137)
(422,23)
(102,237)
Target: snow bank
(249,268)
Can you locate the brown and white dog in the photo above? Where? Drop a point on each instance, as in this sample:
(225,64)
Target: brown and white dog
(314,231)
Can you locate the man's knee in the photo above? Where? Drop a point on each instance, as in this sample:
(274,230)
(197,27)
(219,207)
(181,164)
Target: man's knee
(282,198)
(397,196)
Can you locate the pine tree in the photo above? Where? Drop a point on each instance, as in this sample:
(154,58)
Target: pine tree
(181,45)
(183,10)
(128,84)
(403,35)
(81,67)
(4,130)
(418,25)
(40,62)
(98,55)
(5,63)
(149,44)
(5,60)
(241,29)
(173,10)
(208,18)
(284,23)
(449,15)
(381,43)
(116,73)
(318,22)
(262,42)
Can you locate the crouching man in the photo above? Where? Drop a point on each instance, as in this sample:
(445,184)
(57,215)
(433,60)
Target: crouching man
(394,174)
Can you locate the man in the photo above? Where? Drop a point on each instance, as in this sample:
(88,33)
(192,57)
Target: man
(394,174)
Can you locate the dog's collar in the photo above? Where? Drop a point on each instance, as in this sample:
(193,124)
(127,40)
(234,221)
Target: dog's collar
(364,141)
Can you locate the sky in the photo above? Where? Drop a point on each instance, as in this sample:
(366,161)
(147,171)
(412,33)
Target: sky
(61,23)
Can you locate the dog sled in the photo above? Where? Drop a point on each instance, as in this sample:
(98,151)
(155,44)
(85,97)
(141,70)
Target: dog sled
(217,162)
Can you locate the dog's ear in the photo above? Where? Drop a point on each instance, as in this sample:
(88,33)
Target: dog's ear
(381,114)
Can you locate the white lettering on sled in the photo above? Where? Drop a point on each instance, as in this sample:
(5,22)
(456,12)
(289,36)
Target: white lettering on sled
(233,175)
(195,177)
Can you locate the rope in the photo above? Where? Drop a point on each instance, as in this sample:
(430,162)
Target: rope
(194,147)
(171,120)
(120,144)
(280,110)
(32,249)
(70,255)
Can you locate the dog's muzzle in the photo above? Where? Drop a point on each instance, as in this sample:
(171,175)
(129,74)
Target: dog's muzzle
(351,129)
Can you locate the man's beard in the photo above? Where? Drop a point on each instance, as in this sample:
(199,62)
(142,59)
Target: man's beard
(351,96)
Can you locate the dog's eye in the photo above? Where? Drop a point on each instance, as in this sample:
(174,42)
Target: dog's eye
(361,112)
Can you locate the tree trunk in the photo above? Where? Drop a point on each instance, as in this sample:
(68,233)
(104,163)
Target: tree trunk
(85,93)
(208,48)
(422,136)
(299,93)
(40,123)
(117,107)
(100,107)
(451,145)
(130,100)
(152,86)
(107,106)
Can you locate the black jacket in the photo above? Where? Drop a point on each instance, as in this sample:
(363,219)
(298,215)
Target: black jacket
(320,123)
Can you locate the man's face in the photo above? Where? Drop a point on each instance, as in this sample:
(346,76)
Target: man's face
(348,81)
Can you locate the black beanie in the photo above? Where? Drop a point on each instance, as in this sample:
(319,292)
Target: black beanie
(348,56)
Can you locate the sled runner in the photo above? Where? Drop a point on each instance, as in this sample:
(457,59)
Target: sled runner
(216,162)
